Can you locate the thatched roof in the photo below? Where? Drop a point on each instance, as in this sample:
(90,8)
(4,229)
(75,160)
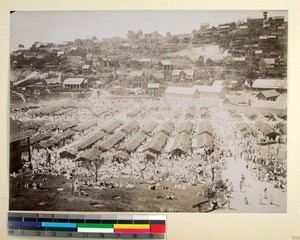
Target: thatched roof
(121,155)
(185,127)
(90,155)
(111,141)
(205,140)
(150,155)
(134,112)
(69,153)
(190,112)
(149,127)
(100,111)
(113,126)
(88,142)
(245,128)
(130,127)
(157,142)
(265,129)
(85,126)
(56,139)
(69,125)
(65,111)
(39,137)
(182,142)
(50,110)
(283,129)
(135,141)
(28,125)
(167,128)
(205,127)
(15,133)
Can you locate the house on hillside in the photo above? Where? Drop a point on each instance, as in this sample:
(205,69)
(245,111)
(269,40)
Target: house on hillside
(89,57)
(109,62)
(98,84)
(75,83)
(78,41)
(52,83)
(165,65)
(61,54)
(269,95)
(132,35)
(153,89)
(146,63)
(86,69)
(126,46)
(137,78)
(265,65)
(156,77)
(239,61)
(134,63)
(186,76)
(255,23)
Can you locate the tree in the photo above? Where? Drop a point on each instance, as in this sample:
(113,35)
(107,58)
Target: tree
(250,75)
(200,61)
(95,165)
(209,62)
(92,160)
(208,191)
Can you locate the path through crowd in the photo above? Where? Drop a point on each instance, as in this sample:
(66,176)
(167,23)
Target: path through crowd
(251,189)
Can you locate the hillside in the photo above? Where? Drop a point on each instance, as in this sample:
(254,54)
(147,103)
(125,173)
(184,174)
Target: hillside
(211,51)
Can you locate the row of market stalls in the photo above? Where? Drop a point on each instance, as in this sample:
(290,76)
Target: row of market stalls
(105,138)
(159,140)
(265,129)
(276,150)
(273,136)
(182,142)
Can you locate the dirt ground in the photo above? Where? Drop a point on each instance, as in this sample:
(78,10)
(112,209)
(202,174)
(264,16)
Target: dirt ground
(138,199)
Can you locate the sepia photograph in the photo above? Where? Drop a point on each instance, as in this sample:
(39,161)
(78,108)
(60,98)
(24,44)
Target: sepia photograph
(148,111)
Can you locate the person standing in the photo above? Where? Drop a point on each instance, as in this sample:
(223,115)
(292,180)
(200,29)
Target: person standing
(246,201)
(228,201)
(260,198)
(271,199)
(241,186)
(231,187)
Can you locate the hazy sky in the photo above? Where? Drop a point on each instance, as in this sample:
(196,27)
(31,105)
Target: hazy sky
(58,26)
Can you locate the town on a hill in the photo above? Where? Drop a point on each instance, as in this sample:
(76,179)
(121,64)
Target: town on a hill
(193,122)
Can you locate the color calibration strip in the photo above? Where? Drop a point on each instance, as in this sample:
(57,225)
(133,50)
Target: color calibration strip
(87,226)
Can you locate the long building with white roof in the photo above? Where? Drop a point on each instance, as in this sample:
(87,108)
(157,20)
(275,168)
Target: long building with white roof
(265,84)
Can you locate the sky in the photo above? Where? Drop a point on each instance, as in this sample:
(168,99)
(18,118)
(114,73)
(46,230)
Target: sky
(58,26)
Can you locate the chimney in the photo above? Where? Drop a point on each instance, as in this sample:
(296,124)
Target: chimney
(265,15)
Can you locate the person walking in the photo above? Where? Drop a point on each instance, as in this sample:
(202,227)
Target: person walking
(243,179)
(241,186)
(265,193)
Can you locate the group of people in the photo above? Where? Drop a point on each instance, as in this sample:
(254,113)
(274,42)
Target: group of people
(191,169)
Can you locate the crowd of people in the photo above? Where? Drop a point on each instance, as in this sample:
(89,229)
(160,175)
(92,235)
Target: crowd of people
(190,169)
